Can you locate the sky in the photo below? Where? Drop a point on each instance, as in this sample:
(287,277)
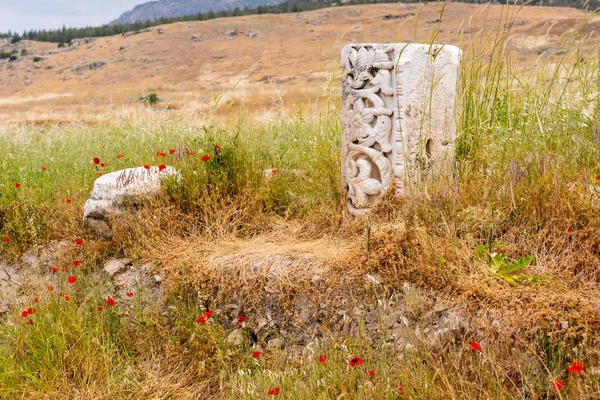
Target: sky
(19,15)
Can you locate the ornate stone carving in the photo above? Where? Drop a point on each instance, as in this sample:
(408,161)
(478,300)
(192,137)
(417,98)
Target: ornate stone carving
(398,105)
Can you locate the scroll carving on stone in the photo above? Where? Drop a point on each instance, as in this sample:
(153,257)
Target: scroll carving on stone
(378,108)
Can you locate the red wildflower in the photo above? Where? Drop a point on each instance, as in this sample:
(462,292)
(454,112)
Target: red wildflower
(66,298)
(30,322)
(17,185)
(371,373)
(577,366)
(69,201)
(43,169)
(201,319)
(146,166)
(120,155)
(217,147)
(205,158)
(274,391)
(87,301)
(208,314)
(569,230)
(25,314)
(557,384)
(66,269)
(96,160)
(77,263)
(160,154)
(598,177)
(122,286)
(99,173)
(241,319)
(30,310)
(130,294)
(400,388)
(475,346)
(50,287)
(110,301)
(102,164)
(36,300)
(273,171)
(78,241)
(355,361)
(72,279)
(6,240)
(256,354)
(161,167)
(171,151)
(54,270)
(322,358)
(100,308)
(191,153)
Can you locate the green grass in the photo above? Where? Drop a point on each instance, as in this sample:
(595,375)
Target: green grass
(525,187)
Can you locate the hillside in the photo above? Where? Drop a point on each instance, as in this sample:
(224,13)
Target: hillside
(154,10)
(262,56)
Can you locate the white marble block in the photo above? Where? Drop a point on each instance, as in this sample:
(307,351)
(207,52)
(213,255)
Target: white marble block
(398,116)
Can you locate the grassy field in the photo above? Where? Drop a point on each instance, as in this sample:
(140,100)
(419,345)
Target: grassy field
(512,242)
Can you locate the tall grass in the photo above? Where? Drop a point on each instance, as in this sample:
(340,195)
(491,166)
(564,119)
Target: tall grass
(525,184)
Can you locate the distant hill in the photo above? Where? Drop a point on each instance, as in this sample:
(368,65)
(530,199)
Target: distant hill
(155,10)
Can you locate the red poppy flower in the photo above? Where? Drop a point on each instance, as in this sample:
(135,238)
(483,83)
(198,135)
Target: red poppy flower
(69,201)
(161,154)
(77,263)
(273,171)
(54,270)
(25,314)
(110,301)
(241,319)
(6,240)
(71,279)
(569,230)
(120,155)
(30,310)
(146,166)
(102,164)
(43,169)
(557,384)
(50,287)
(30,322)
(274,391)
(400,388)
(256,354)
(371,373)
(217,147)
(355,361)
(36,300)
(322,358)
(96,160)
(161,167)
(598,177)
(577,366)
(66,269)
(171,151)
(208,314)
(201,319)
(78,241)
(17,185)
(66,298)
(100,308)
(130,294)
(475,346)
(205,158)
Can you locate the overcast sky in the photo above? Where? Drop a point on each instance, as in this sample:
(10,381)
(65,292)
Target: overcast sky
(19,15)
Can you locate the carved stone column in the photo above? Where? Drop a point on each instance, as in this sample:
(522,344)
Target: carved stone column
(398,116)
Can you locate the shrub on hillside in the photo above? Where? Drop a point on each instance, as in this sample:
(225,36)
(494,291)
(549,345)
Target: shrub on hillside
(150,99)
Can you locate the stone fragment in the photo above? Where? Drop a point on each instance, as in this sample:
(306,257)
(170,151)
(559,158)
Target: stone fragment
(275,343)
(398,117)
(112,267)
(119,192)
(236,337)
